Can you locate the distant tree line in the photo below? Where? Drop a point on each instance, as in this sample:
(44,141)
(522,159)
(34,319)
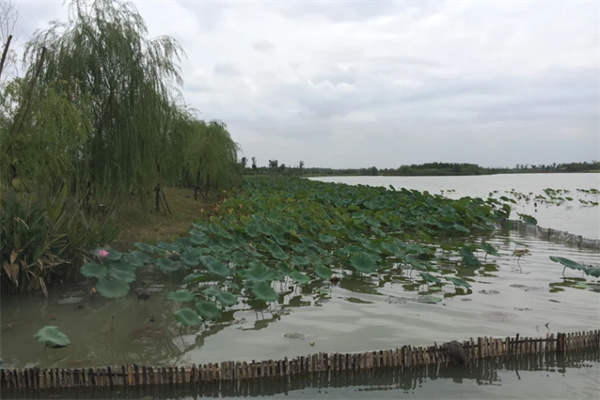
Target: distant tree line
(427,169)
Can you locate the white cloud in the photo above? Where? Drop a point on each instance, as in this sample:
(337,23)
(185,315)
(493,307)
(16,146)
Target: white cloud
(353,84)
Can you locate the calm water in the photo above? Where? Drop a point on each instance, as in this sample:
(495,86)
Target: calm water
(508,296)
(571,216)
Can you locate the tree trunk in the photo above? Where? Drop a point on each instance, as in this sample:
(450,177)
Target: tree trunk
(4,53)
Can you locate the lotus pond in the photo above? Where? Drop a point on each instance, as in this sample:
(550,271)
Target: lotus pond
(292,267)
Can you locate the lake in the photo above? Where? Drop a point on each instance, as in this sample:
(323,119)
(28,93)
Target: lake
(510,294)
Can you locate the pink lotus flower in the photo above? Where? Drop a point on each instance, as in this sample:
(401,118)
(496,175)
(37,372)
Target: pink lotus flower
(102,253)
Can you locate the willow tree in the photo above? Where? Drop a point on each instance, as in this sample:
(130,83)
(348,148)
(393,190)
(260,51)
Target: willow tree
(103,52)
(211,157)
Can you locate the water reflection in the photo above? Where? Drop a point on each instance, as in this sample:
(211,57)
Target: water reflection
(477,378)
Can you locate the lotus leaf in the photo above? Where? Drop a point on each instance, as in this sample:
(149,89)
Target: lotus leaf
(51,337)
(225,298)
(488,248)
(137,258)
(299,277)
(187,317)
(190,258)
(181,296)
(528,219)
(277,252)
(429,278)
(593,271)
(257,272)
(113,288)
(457,281)
(113,255)
(322,271)
(263,291)
(568,263)
(172,247)
(149,248)
(166,265)
(120,270)
(93,270)
(215,266)
(208,310)
(362,262)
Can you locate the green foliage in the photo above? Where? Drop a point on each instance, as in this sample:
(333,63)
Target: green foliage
(187,317)
(51,337)
(181,296)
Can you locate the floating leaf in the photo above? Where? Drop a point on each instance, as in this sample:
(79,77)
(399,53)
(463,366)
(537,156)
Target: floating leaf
(208,310)
(263,291)
(187,317)
(93,270)
(257,272)
(363,263)
(428,299)
(113,288)
(181,296)
(51,337)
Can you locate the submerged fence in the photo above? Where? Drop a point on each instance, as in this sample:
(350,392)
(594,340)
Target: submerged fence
(403,357)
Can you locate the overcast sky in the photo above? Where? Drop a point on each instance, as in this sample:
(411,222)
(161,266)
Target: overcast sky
(347,84)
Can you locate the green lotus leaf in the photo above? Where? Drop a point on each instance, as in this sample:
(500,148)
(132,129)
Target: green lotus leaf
(181,296)
(488,248)
(457,281)
(113,255)
(568,263)
(326,239)
(257,272)
(460,228)
(429,278)
(301,261)
(428,299)
(528,219)
(239,259)
(208,310)
(322,271)
(219,231)
(196,277)
(137,258)
(593,271)
(172,247)
(263,291)
(362,262)
(299,277)
(51,337)
(121,270)
(166,265)
(223,297)
(187,317)
(190,258)
(277,252)
(93,270)
(215,266)
(468,258)
(252,231)
(113,288)
(149,248)
(198,238)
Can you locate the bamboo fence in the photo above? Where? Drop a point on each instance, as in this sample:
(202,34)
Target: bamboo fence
(399,358)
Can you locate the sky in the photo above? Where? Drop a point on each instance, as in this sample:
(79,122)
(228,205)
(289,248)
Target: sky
(352,84)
